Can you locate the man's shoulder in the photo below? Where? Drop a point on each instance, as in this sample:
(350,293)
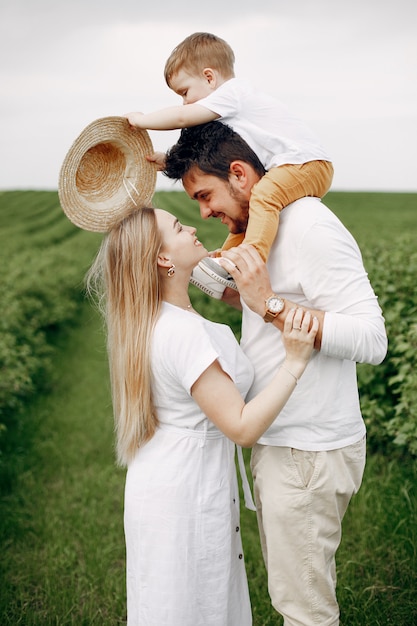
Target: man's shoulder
(305,216)
(309,203)
(308,209)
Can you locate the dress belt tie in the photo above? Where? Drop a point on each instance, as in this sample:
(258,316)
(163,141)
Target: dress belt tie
(205,434)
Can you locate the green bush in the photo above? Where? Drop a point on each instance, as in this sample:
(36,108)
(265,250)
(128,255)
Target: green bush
(43,260)
(389,391)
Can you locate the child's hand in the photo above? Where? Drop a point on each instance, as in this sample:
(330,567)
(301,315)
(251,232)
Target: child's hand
(158,158)
(134,119)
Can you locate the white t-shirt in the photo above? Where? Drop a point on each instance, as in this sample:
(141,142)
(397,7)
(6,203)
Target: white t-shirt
(273,133)
(183,347)
(316,263)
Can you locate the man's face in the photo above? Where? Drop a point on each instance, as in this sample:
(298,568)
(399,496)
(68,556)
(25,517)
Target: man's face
(218,198)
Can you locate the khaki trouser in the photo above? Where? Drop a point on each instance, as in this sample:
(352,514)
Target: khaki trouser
(301,499)
(274,191)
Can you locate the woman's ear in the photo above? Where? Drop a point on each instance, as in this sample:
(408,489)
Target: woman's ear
(163,261)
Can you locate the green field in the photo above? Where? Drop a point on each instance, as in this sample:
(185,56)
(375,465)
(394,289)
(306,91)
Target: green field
(62,551)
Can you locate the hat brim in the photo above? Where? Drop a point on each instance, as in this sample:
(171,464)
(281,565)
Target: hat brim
(105,175)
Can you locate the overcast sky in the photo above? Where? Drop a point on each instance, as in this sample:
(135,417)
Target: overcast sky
(348,68)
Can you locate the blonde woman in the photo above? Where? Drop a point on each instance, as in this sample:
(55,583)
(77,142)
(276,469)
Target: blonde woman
(178,385)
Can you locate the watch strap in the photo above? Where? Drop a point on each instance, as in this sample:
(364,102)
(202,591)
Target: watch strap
(270,316)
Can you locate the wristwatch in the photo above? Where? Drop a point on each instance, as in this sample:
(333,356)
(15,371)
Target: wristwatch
(273,306)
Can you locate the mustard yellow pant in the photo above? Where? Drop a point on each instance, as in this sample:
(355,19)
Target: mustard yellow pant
(275,190)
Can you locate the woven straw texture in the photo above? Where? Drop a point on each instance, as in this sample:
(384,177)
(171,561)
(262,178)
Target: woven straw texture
(105,175)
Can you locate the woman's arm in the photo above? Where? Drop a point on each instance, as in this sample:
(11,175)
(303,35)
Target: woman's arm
(220,400)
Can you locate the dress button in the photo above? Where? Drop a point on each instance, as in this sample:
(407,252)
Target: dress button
(240,556)
(237,529)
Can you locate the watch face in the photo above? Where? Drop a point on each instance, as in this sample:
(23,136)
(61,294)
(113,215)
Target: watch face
(275,305)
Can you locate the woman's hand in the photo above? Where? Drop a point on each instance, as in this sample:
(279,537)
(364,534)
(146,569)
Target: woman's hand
(300,330)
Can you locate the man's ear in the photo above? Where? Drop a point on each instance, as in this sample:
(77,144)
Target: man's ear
(242,175)
(238,172)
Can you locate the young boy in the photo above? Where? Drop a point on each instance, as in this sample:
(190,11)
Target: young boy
(201,71)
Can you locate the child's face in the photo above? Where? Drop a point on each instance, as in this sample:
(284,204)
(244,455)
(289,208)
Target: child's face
(192,87)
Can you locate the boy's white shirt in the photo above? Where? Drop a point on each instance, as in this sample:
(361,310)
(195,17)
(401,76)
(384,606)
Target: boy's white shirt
(273,133)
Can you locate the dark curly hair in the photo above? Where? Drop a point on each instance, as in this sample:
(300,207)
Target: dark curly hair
(211,147)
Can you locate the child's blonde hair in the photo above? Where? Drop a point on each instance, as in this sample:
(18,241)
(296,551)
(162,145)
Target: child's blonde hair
(198,51)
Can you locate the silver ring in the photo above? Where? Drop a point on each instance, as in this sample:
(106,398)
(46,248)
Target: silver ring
(296,327)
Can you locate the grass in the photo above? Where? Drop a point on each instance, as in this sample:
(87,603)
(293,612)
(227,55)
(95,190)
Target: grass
(63,550)
(61,522)
(377,563)
(63,544)
(373,217)
(378,558)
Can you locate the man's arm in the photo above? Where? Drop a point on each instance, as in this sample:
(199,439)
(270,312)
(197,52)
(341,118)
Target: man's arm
(252,279)
(334,277)
(351,322)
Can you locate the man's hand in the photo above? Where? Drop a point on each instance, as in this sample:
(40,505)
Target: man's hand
(250,274)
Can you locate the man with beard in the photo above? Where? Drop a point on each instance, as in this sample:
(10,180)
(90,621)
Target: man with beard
(310,462)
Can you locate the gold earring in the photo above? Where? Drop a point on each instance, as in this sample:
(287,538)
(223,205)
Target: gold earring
(171,271)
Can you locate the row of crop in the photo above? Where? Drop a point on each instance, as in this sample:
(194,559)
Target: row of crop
(389,391)
(43,261)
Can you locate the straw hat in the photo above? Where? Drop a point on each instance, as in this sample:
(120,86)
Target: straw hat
(105,175)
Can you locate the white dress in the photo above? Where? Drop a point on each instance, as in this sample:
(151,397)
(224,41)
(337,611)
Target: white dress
(185,564)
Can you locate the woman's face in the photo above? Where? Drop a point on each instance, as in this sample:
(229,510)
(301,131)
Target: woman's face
(179,243)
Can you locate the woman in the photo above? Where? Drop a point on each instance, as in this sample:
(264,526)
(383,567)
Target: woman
(178,386)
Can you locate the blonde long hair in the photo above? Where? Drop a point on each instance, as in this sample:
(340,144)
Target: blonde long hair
(125,282)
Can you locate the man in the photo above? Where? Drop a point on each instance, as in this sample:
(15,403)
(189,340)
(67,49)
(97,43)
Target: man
(310,462)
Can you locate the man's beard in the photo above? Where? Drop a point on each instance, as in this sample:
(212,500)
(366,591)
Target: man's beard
(240,224)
